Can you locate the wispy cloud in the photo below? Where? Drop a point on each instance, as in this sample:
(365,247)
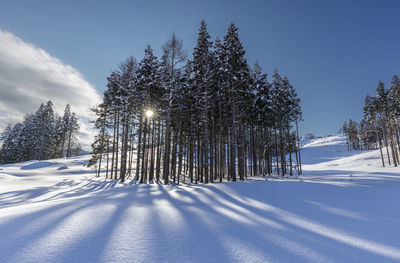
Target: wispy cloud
(30,76)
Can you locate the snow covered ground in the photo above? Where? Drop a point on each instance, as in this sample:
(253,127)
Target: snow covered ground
(345,208)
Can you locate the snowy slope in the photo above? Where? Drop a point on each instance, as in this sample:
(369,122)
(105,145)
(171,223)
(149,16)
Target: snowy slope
(343,209)
(328,160)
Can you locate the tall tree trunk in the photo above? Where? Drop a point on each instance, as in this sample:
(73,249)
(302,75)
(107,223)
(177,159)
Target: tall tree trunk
(380,143)
(139,147)
(167,146)
(62,145)
(198,156)
(245,153)
(131,143)
(240,152)
(158,161)
(282,151)
(297,162)
(174,152)
(151,174)
(253,149)
(191,160)
(233,144)
(117,144)
(113,148)
(298,146)
(211,155)
(180,153)
(124,150)
(221,146)
(387,148)
(390,128)
(101,157)
(108,154)
(143,151)
(228,156)
(276,151)
(215,152)
(69,144)
(146,173)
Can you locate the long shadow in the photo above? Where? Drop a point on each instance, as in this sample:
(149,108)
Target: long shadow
(173,221)
(100,239)
(342,240)
(158,250)
(29,229)
(21,196)
(78,189)
(182,223)
(235,228)
(90,187)
(26,230)
(239,231)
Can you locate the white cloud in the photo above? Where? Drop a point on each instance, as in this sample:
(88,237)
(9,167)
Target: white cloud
(29,76)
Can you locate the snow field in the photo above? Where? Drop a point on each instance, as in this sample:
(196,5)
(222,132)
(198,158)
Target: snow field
(344,208)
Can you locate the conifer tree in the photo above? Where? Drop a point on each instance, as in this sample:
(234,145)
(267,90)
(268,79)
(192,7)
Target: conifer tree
(171,66)
(37,137)
(214,117)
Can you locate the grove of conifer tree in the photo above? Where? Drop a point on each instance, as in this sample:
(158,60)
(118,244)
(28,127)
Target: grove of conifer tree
(42,135)
(207,118)
(379,129)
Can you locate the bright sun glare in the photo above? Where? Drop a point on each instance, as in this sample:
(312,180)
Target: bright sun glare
(149,113)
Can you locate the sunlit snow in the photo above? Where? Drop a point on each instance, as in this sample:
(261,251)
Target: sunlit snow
(343,209)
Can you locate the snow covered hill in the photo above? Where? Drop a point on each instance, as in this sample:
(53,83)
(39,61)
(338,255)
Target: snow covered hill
(345,208)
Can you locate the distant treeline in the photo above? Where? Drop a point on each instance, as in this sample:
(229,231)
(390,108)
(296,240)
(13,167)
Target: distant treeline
(205,119)
(380,126)
(42,135)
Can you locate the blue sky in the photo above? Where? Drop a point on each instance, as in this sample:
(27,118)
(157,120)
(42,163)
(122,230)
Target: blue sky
(334,52)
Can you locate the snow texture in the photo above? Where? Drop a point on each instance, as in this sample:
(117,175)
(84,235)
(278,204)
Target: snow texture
(343,209)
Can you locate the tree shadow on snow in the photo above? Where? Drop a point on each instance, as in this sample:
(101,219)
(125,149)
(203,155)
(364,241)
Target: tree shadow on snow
(197,223)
